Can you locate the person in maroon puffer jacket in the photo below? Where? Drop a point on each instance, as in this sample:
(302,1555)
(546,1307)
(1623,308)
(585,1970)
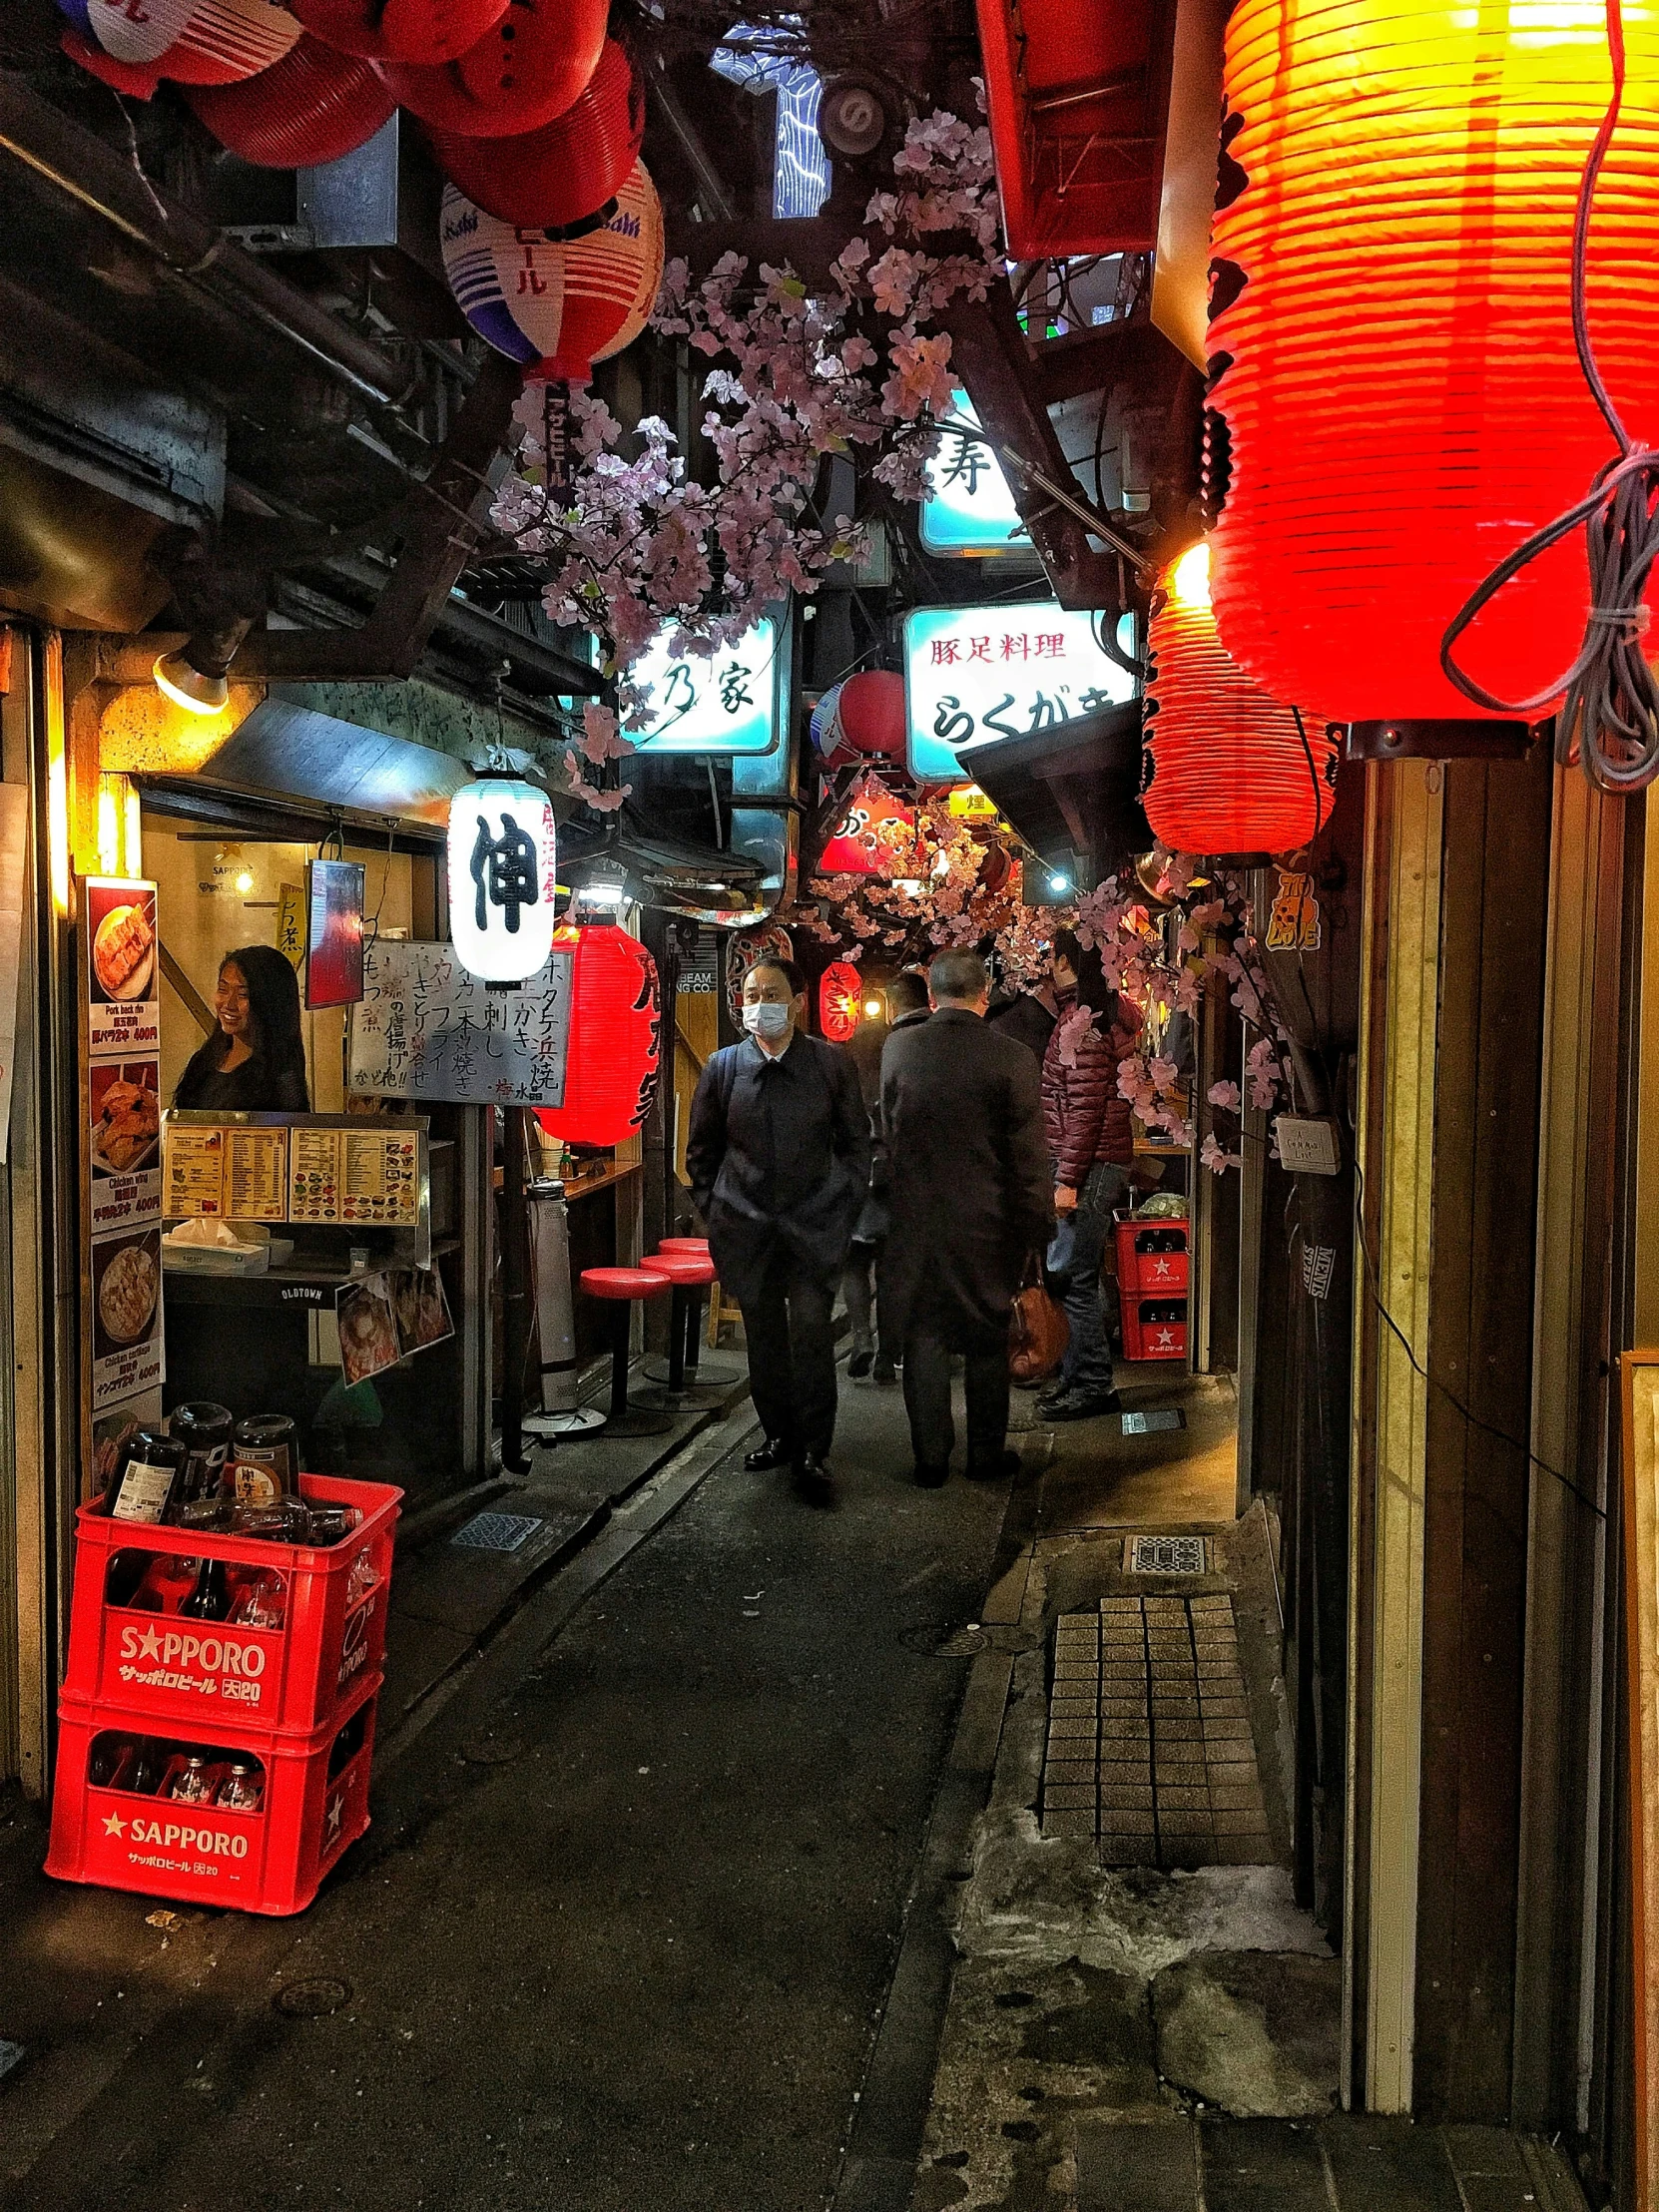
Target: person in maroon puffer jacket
(1092,1139)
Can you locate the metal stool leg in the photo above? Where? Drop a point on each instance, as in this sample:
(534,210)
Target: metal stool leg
(676,1338)
(621,1330)
(694,1331)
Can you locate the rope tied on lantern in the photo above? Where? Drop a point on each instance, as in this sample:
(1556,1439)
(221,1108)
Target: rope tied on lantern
(1608,720)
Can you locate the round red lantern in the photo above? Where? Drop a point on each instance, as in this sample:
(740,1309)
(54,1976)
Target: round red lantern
(1398,404)
(426,32)
(616,1037)
(310,106)
(525,70)
(568,170)
(870,712)
(876,832)
(840,996)
(1234,772)
(192,42)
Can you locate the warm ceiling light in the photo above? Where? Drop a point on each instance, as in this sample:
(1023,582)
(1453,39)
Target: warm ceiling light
(872,1006)
(187,686)
(245,883)
(1189,580)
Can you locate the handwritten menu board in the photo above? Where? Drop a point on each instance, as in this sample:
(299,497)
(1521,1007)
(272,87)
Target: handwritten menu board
(428,1029)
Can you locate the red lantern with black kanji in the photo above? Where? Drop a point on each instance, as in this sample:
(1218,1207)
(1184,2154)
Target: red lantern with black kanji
(1398,404)
(616,1037)
(1233,771)
(839,1001)
(874,832)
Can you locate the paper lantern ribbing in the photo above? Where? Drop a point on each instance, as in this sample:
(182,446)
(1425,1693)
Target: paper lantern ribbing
(567,170)
(428,32)
(310,106)
(1398,403)
(556,304)
(194,42)
(501,877)
(1231,772)
(616,1037)
(841,998)
(530,67)
(870,712)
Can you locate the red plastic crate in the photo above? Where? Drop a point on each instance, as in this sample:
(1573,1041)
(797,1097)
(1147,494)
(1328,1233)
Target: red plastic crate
(272,1860)
(207,1675)
(1151,1330)
(1147,1272)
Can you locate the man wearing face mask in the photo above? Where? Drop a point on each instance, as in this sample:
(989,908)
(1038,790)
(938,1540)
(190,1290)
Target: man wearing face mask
(778,1154)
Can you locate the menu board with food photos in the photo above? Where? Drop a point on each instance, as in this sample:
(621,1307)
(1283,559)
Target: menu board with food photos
(121,961)
(234,1172)
(361,1174)
(123,967)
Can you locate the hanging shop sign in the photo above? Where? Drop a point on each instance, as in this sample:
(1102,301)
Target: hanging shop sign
(501,877)
(426,1028)
(122,1116)
(978,676)
(970,507)
(726,702)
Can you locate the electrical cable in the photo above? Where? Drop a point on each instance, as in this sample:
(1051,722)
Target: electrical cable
(1313,774)
(1608,721)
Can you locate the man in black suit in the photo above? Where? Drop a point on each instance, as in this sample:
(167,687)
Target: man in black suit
(778,1152)
(972,1192)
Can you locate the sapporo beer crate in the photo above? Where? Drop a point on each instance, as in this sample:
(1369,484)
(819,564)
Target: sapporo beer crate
(206,1676)
(1153,1257)
(313,1801)
(1154,1327)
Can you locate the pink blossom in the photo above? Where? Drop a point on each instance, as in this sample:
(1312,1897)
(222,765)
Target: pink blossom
(1225,1095)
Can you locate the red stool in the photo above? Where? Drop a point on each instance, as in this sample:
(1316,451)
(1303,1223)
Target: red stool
(622,1286)
(691,1274)
(697,1245)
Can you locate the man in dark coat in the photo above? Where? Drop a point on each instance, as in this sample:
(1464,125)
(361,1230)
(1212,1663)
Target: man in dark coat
(971,1194)
(779,1158)
(879,1344)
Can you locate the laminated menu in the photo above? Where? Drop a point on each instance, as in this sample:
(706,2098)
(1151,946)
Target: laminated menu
(314,1174)
(382,1179)
(256,1174)
(195,1173)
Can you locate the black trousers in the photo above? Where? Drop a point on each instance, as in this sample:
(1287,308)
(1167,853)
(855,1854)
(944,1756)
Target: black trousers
(933,1334)
(791,1353)
(868,1314)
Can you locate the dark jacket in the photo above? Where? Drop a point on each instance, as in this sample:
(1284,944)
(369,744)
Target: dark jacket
(778,1152)
(1085,1119)
(969,1174)
(1026,1018)
(251,1088)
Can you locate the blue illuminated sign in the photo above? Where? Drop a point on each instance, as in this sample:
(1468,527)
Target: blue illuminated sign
(723,702)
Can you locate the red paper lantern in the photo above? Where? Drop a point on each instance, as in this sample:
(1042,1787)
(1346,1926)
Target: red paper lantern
(192,42)
(1397,401)
(310,106)
(565,171)
(874,832)
(616,1037)
(1232,774)
(871,711)
(840,998)
(529,68)
(428,32)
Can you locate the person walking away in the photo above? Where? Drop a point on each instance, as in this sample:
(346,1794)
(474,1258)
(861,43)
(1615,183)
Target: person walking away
(1091,1136)
(877,1345)
(969,1182)
(778,1154)
(1029,1015)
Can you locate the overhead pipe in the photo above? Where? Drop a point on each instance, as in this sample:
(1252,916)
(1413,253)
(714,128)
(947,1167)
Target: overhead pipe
(82,167)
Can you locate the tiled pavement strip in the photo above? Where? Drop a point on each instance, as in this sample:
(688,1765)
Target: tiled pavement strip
(1148,1744)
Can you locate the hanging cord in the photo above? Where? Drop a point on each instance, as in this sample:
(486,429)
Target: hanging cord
(1610,717)
(1314,777)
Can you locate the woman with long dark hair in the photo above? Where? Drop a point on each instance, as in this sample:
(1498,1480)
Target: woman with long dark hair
(255,1061)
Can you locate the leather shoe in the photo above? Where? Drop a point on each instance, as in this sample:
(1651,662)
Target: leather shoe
(862,1359)
(773,1453)
(929,1478)
(884,1371)
(812,1480)
(998,1470)
(1074,1405)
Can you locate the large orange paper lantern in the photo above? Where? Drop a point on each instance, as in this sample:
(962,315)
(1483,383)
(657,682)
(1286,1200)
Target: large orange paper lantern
(1232,771)
(1397,401)
(616,1037)
(876,832)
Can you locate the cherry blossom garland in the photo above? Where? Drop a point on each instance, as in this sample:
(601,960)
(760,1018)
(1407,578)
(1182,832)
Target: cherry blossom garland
(800,377)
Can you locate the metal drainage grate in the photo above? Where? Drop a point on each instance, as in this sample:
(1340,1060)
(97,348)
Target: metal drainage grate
(1165,1555)
(495,1531)
(1154,1418)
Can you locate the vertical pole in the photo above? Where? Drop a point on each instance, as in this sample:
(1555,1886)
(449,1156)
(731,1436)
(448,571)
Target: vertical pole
(515,1290)
(477,1135)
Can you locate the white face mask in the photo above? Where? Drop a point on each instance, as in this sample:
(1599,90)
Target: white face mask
(766,1019)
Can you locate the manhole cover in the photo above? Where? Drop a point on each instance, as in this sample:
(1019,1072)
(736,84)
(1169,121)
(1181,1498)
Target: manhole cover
(495,1531)
(312,2000)
(944,1639)
(493,1751)
(1154,1418)
(1165,1555)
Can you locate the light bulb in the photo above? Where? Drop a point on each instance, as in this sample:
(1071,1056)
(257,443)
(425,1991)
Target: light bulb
(1189,581)
(245,883)
(872,1006)
(187,686)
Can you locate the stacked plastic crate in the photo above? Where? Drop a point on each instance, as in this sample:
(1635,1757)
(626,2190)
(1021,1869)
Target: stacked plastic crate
(1153,1262)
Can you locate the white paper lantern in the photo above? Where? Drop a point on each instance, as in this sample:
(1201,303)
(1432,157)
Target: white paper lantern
(502,875)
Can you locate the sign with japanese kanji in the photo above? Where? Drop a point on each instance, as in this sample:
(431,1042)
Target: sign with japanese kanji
(978,676)
(725,702)
(969,508)
(428,1029)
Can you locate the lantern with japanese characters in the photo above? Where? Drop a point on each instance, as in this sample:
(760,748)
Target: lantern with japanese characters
(839,1000)
(502,878)
(558,305)
(874,832)
(616,1037)
(192,42)
(1397,398)
(1234,772)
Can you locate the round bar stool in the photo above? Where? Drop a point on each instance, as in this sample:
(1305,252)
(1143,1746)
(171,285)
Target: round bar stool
(681,1371)
(621,1286)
